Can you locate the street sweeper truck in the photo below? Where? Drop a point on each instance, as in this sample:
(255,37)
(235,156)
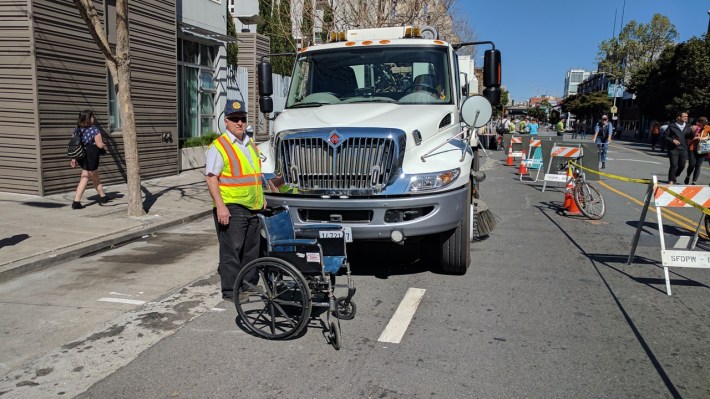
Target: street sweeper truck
(379,135)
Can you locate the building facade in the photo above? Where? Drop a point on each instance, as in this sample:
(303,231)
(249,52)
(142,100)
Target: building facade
(51,69)
(572,79)
(202,66)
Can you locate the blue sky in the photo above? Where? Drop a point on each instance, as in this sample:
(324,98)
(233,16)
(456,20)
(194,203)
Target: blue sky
(541,40)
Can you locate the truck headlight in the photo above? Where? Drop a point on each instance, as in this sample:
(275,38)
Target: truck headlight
(432,181)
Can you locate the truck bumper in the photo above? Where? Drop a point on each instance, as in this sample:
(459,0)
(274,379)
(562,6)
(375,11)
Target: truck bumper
(376,218)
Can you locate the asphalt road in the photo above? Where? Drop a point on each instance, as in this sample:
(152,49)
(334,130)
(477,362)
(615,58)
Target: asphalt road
(549,308)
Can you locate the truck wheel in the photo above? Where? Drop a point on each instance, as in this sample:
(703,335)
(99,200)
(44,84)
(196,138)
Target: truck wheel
(456,244)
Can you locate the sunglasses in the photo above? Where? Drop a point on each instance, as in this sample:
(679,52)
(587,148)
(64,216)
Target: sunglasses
(236,119)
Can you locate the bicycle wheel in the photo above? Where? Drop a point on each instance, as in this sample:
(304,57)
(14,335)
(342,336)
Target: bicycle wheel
(589,200)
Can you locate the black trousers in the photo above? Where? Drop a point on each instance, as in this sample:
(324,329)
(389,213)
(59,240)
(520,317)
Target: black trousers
(238,245)
(678,158)
(695,162)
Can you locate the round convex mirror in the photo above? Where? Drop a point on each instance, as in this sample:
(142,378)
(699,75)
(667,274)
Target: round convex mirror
(476,111)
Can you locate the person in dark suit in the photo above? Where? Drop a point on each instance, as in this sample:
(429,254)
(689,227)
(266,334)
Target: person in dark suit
(678,135)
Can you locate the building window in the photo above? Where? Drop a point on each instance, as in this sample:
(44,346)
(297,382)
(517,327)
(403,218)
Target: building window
(114,109)
(197,88)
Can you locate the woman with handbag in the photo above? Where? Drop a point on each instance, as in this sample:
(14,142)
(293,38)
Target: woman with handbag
(698,149)
(93,146)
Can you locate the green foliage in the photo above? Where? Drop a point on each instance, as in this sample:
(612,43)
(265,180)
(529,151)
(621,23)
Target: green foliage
(504,97)
(232,48)
(276,24)
(307,23)
(536,112)
(199,141)
(636,46)
(328,25)
(679,80)
(587,106)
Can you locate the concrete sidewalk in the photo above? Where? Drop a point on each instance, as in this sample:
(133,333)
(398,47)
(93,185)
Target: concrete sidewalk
(37,232)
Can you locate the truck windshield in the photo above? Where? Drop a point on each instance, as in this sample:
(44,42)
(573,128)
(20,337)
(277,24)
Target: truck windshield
(402,75)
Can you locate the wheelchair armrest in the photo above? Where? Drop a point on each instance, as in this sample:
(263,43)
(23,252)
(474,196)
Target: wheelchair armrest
(317,227)
(298,241)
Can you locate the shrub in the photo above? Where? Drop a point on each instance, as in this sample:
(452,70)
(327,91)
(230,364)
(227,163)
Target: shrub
(204,140)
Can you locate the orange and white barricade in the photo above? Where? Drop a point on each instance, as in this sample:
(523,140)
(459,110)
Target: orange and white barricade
(683,253)
(560,152)
(534,160)
(516,143)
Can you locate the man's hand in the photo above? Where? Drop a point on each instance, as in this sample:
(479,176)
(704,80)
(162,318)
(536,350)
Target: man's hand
(223,215)
(676,142)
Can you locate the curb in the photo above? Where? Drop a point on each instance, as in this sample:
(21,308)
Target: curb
(48,259)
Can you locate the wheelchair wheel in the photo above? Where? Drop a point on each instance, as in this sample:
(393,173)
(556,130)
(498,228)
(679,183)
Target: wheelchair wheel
(335,334)
(344,309)
(279,303)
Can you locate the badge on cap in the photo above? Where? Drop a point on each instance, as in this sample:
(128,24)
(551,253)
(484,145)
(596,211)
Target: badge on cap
(236,105)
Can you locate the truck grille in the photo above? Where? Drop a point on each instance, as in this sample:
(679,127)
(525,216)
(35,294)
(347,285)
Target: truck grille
(339,161)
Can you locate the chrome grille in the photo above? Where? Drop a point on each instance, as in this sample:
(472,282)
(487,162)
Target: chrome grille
(355,163)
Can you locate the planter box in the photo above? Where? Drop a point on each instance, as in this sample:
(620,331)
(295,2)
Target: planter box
(192,158)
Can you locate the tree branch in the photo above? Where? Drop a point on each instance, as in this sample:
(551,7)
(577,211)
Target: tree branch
(91,18)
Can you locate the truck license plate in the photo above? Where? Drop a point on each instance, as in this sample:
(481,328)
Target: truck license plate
(347,231)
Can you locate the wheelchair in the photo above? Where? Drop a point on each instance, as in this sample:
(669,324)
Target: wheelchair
(295,275)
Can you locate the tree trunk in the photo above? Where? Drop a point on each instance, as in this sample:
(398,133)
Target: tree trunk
(119,66)
(130,140)
(128,118)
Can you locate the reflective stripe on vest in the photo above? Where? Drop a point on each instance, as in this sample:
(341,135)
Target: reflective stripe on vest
(239,182)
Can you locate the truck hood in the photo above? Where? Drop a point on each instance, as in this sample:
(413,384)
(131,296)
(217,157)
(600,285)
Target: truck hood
(425,118)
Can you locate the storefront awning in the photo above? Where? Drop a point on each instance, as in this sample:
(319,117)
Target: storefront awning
(203,33)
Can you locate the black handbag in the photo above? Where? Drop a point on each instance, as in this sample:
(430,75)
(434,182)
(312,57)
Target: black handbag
(75,148)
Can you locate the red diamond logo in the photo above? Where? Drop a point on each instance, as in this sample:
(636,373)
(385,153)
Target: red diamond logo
(334,139)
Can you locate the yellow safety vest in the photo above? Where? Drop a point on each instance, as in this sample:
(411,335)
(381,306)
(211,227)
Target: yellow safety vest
(240,183)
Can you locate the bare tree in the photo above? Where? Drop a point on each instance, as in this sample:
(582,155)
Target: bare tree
(119,65)
(348,14)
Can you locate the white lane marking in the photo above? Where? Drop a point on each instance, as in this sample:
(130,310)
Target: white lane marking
(122,300)
(633,160)
(682,242)
(218,309)
(402,316)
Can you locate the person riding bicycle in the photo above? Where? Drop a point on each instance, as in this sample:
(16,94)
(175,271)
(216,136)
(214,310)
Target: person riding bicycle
(602,137)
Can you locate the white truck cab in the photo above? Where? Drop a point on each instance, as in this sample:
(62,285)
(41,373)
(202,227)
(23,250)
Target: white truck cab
(375,136)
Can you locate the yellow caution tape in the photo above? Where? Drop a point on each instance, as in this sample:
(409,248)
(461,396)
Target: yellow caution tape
(647,181)
(686,200)
(622,178)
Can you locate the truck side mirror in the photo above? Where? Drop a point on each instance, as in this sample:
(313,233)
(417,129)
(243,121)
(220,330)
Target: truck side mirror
(266,88)
(492,76)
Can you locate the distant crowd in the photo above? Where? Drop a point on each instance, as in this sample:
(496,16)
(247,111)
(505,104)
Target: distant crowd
(684,142)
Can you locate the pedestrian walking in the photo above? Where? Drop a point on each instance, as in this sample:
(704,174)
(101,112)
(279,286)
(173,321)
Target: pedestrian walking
(533,126)
(695,154)
(561,127)
(233,175)
(618,130)
(655,132)
(678,134)
(94,147)
(662,139)
(602,137)
(583,130)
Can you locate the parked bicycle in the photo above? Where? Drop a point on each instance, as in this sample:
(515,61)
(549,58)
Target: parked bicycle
(588,198)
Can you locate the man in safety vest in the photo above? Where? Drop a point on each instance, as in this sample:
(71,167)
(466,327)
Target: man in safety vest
(233,174)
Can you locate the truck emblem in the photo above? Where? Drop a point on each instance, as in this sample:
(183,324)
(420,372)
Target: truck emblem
(335,138)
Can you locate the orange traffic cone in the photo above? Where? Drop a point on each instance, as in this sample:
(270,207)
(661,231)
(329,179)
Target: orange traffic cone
(509,162)
(570,207)
(522,168)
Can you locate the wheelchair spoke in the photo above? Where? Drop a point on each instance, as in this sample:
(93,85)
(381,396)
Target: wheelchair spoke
(283,306)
